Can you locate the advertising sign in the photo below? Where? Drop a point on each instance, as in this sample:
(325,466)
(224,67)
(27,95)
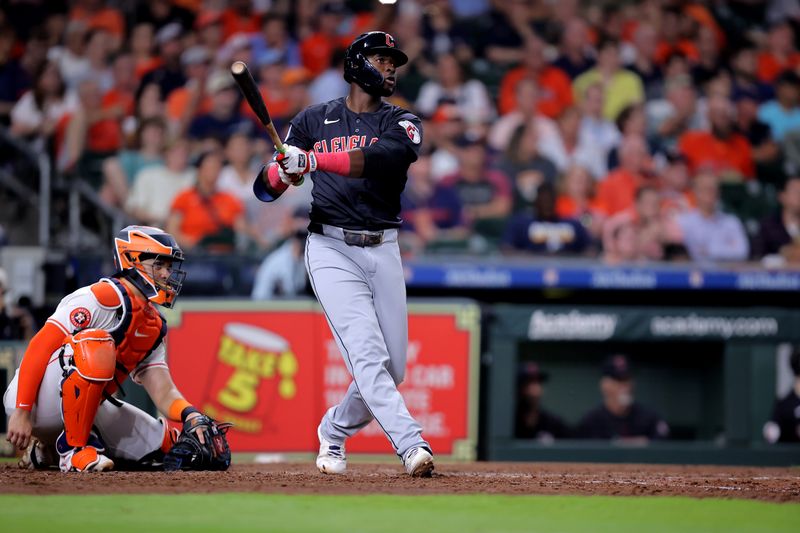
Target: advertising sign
(273,369)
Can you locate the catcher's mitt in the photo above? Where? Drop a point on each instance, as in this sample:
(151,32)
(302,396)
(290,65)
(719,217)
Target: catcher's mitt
(189,454)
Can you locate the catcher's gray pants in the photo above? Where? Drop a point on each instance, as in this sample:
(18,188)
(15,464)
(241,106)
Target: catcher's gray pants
(363,295)
(129,433)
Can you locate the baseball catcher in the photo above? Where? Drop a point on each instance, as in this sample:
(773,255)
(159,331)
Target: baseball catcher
(60,403)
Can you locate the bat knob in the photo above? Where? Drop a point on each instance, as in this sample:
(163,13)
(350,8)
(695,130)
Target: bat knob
(238,67)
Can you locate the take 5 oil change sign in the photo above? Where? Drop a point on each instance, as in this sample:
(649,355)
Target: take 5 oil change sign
(273,369)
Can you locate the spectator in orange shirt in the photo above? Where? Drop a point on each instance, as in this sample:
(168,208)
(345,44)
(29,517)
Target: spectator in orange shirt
(185,103)
(672,38)
(577,200)
(780,55)
(618,190)
(316,49)
(203,216)
(555,87)
(239,18)
(721,151)
(92,133)
(639,233)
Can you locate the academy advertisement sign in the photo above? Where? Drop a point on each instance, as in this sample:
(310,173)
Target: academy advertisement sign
(595,323)
(273,373)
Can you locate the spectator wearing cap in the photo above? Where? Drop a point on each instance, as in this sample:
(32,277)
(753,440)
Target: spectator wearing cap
(779,234)
(224,118)
(532,421)
(620,416)
(621,87)
(316,49)
(721,150)
(451,84)
(784,423)
(204,217)
(185,103)
(540,230)
(169,76)
(485,193)
(782,114)
(708,233)
(555,92)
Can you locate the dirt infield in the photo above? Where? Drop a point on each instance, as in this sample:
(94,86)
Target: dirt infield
(771,484)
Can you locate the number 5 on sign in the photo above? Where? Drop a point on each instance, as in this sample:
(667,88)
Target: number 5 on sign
(239,394)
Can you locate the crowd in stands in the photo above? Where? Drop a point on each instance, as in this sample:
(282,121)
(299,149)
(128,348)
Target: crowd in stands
(636,131)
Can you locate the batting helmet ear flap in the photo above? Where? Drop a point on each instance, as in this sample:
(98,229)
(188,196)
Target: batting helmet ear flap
(367,76)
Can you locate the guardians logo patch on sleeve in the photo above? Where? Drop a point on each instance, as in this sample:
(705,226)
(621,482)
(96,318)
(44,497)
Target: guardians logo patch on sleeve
(411,130)
(80,317)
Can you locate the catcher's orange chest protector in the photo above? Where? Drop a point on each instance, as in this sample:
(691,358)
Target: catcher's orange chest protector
(140,331)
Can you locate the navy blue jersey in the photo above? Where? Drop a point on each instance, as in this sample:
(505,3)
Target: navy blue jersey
(390,139)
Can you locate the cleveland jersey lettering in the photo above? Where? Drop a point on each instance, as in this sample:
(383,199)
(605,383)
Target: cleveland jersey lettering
(373,201)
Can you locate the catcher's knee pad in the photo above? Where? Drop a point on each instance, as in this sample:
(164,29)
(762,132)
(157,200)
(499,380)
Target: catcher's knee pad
(90,365)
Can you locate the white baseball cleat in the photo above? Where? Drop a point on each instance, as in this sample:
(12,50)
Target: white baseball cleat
(331,458)
(86,459)
(418,462)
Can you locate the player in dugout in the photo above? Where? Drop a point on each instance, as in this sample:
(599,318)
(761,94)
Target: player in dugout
(60,404)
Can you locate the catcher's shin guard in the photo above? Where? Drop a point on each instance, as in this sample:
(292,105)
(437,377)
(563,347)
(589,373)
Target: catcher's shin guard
(90,366)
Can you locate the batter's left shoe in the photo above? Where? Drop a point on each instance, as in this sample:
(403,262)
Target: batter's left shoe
(331,458)
(419,462)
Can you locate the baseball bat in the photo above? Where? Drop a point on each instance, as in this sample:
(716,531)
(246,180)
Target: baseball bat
(249,89)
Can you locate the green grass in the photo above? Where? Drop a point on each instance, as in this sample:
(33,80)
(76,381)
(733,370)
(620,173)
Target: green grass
(385,513)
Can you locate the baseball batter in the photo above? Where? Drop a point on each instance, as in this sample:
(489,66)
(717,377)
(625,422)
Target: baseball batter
(357,151)
(59,402)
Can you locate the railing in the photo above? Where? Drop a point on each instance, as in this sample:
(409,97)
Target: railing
(77,190)
(42,199)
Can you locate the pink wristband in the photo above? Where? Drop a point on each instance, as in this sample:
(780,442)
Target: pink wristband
(274,179)
(336,162)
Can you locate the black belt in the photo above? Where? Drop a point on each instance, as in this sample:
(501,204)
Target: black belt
(352,238)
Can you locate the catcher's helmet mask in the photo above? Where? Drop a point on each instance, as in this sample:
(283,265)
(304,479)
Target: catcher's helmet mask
(357,67)
(136,244)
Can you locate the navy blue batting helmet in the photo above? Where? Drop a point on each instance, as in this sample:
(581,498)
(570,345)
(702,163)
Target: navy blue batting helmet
(356,67)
